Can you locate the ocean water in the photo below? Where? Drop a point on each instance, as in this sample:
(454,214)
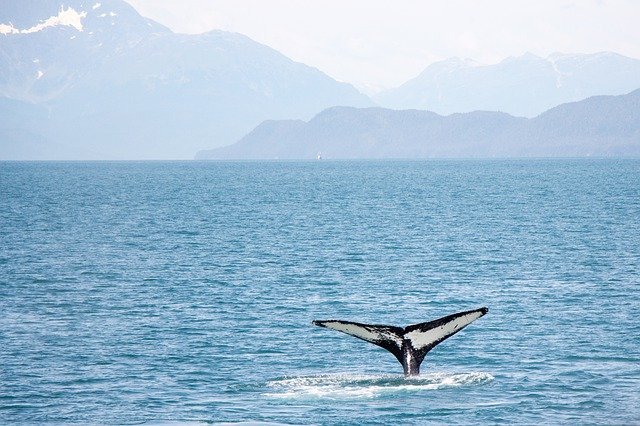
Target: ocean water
(177,292)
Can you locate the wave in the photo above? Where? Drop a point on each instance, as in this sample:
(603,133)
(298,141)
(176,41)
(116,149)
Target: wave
(339,386)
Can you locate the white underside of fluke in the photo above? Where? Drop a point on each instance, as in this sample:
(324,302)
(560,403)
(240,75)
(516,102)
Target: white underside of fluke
(368,333)
(421,339)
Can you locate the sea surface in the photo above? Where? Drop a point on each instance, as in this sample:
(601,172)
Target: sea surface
(178,292)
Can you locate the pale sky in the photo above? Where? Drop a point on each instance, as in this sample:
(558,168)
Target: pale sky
(378,44)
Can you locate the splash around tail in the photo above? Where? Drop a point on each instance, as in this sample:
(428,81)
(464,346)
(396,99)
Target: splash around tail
(356,386)
(410,344)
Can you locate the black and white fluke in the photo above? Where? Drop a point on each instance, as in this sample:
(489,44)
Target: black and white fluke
(410,344)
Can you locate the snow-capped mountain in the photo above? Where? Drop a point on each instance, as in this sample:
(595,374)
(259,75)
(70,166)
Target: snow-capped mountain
(47,45)
(111,84)
(524,86)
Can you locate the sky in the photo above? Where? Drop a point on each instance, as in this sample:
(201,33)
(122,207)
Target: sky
(376,44)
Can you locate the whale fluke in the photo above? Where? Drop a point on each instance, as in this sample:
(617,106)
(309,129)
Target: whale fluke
(409,344)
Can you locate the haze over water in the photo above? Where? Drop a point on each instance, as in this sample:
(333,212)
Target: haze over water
(169,291)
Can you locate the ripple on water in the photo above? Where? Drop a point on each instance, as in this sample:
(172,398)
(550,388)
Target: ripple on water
(180,292)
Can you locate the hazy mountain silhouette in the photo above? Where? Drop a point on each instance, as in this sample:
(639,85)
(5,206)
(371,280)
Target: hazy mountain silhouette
(113,84)
(522,86)
(597,126)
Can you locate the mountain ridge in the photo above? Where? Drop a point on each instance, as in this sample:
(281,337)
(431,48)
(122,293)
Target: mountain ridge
(120,86)
(525,85)
(96,80)
(596,126)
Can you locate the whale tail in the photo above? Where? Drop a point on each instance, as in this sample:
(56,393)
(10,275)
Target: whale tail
(409,344)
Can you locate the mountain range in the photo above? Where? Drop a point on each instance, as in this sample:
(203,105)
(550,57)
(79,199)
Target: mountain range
(600,126)
(523,86)
(95,80)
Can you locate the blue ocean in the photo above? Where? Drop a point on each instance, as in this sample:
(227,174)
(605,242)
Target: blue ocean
(183,292)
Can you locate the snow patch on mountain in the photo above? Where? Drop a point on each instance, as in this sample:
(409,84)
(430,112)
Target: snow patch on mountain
(8,29)
(559,74)
(66,17)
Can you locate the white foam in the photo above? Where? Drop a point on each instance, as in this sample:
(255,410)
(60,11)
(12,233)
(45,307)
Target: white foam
(349,386)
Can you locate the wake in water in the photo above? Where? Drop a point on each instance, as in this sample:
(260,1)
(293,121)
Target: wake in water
(338,386)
